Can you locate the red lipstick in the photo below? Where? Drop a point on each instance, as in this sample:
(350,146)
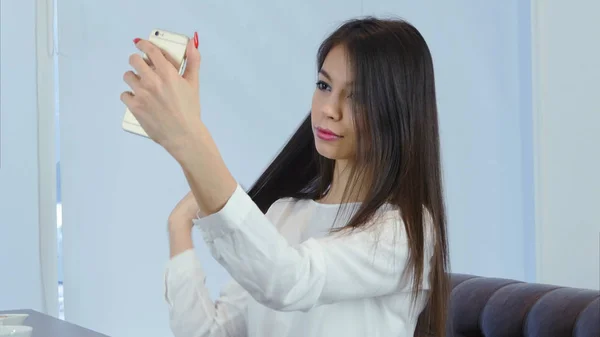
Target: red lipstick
(327,135)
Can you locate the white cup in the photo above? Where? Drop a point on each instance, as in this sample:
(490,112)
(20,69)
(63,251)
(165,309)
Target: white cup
(15,331)
(12,319)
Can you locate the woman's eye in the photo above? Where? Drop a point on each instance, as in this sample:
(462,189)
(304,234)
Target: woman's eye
(322,86)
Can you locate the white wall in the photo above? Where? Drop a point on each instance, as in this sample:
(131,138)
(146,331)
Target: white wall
(118,188)
(258,71)
(20,280)
(479,56)
(567,137)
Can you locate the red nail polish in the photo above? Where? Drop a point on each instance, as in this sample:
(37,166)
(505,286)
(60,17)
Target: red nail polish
(196,40)
(136,40)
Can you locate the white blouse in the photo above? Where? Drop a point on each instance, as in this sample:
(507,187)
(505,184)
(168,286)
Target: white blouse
(292,279)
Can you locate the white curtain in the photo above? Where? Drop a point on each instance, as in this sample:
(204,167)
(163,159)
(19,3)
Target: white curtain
(27,260)
(481,54)
(566,123)
(258,74)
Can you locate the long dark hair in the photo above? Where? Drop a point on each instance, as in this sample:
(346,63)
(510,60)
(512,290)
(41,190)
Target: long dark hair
(398,150)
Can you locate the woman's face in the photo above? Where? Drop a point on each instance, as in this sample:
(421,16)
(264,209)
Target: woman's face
(331,113)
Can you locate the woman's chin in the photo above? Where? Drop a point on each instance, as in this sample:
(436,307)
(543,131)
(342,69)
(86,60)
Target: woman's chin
(329,152)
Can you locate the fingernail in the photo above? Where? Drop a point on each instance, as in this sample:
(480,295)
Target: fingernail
(136,40)
(196,40)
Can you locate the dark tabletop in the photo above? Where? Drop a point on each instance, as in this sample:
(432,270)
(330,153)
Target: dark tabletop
(48,326)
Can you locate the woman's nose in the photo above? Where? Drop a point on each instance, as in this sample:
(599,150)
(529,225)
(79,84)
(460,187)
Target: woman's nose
(332,110)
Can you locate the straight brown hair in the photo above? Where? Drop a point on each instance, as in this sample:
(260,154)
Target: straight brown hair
(398,148)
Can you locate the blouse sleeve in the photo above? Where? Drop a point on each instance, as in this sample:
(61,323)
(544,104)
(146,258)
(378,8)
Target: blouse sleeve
(283,277)
(192,312)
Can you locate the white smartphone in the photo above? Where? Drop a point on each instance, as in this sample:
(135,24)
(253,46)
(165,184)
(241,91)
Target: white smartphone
(172,44)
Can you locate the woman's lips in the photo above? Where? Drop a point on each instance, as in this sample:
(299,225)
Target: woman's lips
(327,135)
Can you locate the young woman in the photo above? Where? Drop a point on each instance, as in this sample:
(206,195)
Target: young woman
(344,234)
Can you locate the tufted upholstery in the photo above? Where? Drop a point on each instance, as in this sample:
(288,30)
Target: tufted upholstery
(493,307)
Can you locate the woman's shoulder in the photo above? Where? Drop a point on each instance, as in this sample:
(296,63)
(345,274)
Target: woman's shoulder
(283,208)
(285,203)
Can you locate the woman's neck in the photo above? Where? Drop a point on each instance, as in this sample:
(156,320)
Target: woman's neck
(341,179)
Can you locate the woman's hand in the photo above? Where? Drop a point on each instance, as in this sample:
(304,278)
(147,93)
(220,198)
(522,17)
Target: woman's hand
(181,224)
(184,213)
(166,105)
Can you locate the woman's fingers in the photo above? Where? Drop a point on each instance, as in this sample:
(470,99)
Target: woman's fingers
(128,98)
(148,62)
(192,69)
(156,56)
(132,80)
(141,66)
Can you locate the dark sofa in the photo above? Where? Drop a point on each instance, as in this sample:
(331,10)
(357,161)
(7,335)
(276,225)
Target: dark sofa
(494,307)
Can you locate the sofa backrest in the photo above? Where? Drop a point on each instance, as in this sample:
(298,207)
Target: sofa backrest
(494,307)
